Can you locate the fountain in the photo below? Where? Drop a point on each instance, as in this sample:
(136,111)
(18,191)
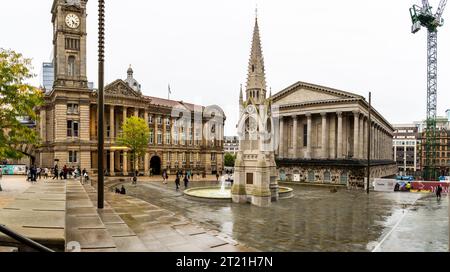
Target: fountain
(223,193)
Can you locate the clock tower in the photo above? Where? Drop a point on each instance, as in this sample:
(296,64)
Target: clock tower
(64,123)
(69,43)
(255,178)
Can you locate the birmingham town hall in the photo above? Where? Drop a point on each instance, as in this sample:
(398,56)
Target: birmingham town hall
(322,132)
(182,135)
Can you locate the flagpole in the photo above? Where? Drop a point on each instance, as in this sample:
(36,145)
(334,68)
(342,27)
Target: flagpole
(168,93)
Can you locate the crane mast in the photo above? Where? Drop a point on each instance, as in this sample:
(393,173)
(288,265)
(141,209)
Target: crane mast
(423,16)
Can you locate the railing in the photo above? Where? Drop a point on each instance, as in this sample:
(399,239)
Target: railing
(24,240)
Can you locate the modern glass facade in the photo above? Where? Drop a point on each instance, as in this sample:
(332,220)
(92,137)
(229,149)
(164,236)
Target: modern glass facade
(47,75)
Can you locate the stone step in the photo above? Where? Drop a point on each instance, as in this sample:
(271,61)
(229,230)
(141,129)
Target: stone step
(123,236)
(4,249)
(85,230)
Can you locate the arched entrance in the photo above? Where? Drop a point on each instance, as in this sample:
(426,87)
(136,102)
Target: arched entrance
(155,165)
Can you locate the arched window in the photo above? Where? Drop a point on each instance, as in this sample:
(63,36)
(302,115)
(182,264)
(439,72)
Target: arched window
(253,68)
(327,176)
(311,176)
(71,66)
(344,177)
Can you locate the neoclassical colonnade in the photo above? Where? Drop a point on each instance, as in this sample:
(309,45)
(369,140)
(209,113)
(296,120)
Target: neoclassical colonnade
(346,135)
(179,146)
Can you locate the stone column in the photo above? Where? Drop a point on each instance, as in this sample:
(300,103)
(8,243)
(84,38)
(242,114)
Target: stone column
(136,112)
(366,135)
(125,163)
(339,135)
(361,137)
(124,115)
(294,136)
(324,136)
(164,133)
(171,134)
(356,135)
(111,163)
(155,132)
(146,164)
(281,144)
(146,117)
(377,143)
(395,153)
(111,122)
(308,141)
(42,124)
(374,141)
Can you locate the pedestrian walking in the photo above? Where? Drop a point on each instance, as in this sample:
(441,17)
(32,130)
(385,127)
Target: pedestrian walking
(438,192)
(45,173)
(164,176)
(186,181)
(85,176)
(217,176)
(177,182)
(38,172)
(55,172)
(65,171)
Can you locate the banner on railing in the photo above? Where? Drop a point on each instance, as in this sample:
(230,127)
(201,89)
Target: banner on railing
(13,169)
(430,186)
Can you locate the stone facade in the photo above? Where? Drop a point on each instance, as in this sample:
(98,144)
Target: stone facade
(318,134)
(329,129)
(183,135)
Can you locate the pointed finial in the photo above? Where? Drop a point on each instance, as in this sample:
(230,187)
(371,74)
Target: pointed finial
(270,92)
(256,11)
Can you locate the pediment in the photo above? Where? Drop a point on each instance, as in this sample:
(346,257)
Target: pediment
(120,88)
(304,92)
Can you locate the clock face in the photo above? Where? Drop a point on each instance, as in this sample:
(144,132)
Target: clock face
(72,20)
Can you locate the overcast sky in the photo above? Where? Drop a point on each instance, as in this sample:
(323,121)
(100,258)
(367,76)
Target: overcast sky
(201,47)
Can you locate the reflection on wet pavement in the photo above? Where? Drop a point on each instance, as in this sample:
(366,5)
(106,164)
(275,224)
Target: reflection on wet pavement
(313,220)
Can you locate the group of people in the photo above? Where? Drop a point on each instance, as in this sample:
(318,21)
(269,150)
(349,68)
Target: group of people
(34,173)
(70,172)
(178,177)
(121,191)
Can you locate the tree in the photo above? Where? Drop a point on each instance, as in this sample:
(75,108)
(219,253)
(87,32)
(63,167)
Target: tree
(135,136)
(229,160)
(17,100)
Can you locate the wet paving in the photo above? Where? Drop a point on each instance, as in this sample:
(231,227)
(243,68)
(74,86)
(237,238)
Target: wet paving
(315,219)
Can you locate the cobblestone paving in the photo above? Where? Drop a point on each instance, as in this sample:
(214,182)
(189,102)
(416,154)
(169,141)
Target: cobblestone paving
(315,219)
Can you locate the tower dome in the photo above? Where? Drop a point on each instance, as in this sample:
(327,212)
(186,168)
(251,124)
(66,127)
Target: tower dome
(131,81)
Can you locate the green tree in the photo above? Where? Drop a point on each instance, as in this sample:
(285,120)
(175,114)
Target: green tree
(18,99)
(229,160)
(135,136)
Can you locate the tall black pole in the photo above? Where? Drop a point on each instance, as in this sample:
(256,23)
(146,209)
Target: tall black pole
(100,107)
(368,142)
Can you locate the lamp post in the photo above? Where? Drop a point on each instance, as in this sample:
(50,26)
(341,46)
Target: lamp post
(100,104)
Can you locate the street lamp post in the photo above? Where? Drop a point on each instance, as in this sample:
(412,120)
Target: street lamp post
(100,104)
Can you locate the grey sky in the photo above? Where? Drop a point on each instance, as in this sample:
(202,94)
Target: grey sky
(201,47)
